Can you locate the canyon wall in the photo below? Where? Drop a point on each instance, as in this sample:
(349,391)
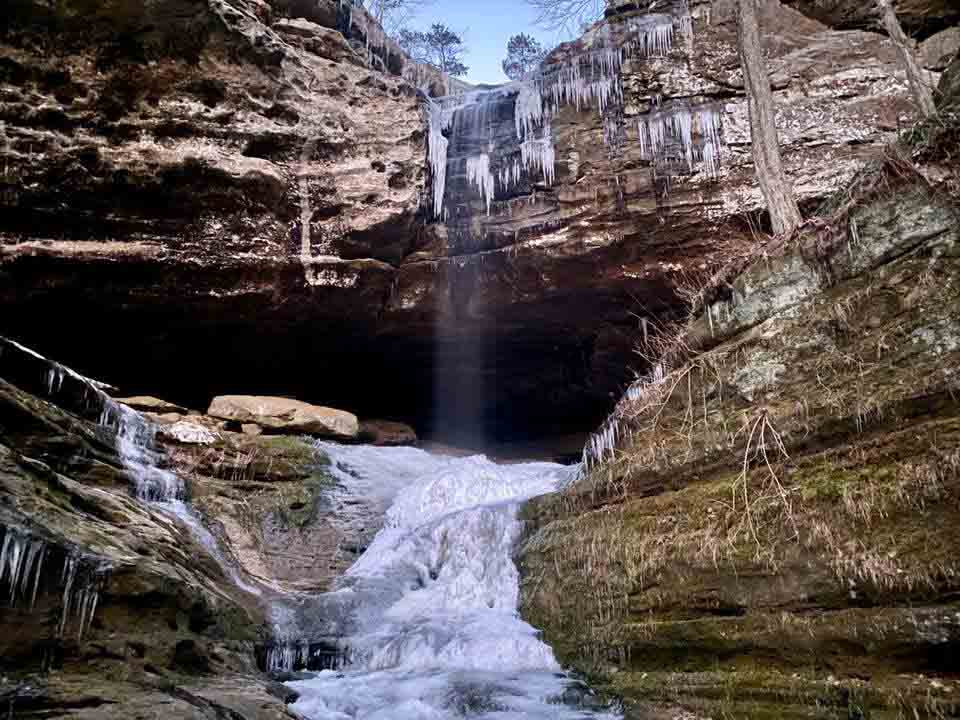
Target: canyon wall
(240,191)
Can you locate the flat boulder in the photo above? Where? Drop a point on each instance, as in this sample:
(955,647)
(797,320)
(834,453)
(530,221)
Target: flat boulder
(146,403)
(283,415)
(386,432)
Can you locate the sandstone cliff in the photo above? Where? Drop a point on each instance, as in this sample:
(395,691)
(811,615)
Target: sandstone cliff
(224,183)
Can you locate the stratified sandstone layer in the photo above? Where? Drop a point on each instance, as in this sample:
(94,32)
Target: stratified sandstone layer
(235,189)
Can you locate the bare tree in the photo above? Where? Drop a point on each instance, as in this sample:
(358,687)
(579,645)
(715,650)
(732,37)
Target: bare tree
(567,15)
(440,46)
(922,95)
(394,14)
(765,145)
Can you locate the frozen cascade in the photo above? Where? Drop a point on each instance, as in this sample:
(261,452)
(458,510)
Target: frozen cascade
(438,120)
(135,442)
(587,78)
(433,622)
(479,175)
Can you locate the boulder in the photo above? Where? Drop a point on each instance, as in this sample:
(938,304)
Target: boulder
(937,51)
(146,403)
(386,432)
(285,415)
(189,433)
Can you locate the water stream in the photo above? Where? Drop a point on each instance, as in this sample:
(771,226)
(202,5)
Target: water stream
(432,629)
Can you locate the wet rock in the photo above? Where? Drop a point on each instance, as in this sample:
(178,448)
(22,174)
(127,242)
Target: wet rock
(285,415)
(386,432)
(145,403)
(189,433)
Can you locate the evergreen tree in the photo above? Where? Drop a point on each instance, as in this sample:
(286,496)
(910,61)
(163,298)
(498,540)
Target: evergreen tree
(524,54)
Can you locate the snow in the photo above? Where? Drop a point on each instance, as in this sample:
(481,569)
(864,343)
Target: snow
(434,627)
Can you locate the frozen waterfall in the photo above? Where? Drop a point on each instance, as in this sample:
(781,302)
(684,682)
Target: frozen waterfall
(468,150)
(434,631)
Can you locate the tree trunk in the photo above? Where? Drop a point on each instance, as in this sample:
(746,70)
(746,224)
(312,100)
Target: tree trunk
(777,190)
(922,95)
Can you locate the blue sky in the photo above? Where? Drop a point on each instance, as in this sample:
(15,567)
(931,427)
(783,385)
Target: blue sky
(488,25)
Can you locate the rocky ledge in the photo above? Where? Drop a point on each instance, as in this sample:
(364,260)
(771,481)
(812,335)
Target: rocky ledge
(123,600)
(764,526)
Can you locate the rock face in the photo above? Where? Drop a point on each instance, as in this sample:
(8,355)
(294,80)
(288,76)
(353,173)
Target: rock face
(285,416)
(114,595)
(135,601)
(761,531)
(228,182)
(919,17)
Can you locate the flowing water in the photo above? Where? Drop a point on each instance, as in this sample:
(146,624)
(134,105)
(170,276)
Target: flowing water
(433,630)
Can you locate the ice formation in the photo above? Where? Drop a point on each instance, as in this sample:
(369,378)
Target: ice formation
(652,35)
(438,120)
(601,445)
(434,623)
(539,155)
(480,177)
(83,573)
(21,565)
(681,124)
(588,78)
(23,559)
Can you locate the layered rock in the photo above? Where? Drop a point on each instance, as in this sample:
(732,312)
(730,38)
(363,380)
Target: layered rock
(284,415)
(132,597)
(248,181)
(115,595)
(762,531)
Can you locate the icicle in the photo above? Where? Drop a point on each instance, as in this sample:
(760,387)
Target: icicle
(652,34)
(37,574)
(54,379)
(438,121)
(685,20)
(13,555)
(479,175)
(528,108)
(539,154)
(678,123)
(69,575)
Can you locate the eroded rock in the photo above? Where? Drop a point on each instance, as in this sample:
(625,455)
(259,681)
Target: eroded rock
(285,415)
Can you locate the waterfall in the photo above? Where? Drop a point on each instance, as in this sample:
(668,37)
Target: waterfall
(431,626)
(158,487)
(24,554)
(672,139)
